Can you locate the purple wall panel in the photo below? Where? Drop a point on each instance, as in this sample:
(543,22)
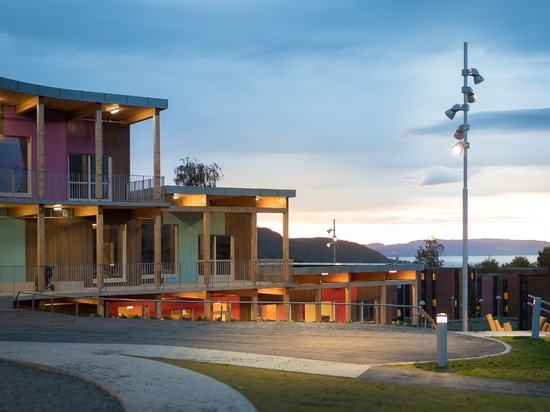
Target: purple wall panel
(81,137)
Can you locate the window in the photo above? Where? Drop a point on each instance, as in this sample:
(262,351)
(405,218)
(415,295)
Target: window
(220,253)
(83,176)
(14,164)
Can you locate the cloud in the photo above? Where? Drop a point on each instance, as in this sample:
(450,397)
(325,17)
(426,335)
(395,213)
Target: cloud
(437,175)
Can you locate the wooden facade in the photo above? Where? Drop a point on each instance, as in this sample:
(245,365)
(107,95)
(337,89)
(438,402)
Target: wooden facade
(76,227)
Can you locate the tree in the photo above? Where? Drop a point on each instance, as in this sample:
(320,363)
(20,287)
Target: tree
(543,260)
(430,254)
(489,265)
(518,262)
(193,173)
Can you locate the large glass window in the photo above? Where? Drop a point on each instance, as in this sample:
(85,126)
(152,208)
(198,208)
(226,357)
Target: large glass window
(167,243)
(83,176)
(14,164)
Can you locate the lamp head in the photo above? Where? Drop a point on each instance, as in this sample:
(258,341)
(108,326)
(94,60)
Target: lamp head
(459,148)
(478,78)
(472,97)
(459,134)
(450,113)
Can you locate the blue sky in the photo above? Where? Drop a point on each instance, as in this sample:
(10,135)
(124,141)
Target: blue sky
(341,100)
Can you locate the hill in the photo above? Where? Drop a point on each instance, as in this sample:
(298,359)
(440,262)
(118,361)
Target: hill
(476,247)
(315,250)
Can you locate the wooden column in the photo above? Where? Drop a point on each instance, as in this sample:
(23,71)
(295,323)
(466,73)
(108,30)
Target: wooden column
(156,156)
(318,300)
(40,148)
(41,248)
(286,247)
(254,247)
(158,247)
(348,303)
(98,153)
(207,262)
(208,304)
(286,303)
(254,307)
(383,292)
(99,248)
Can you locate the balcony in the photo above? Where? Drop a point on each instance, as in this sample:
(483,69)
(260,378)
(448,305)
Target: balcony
(78,187)
(71,279)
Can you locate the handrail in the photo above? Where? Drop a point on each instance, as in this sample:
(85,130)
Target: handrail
(536,318)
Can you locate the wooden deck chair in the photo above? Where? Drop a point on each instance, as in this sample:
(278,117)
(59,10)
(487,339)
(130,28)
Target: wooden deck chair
(491,322)
(508,326)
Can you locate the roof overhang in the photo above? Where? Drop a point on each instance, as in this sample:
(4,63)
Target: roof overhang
(78,104)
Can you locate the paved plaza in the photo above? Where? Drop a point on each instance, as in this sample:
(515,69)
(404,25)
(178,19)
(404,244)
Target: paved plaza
(108,351)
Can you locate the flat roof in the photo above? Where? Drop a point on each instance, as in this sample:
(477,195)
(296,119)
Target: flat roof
(229,191)
(317,268)
(78,103)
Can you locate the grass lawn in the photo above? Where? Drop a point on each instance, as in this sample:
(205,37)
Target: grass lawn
(270,390)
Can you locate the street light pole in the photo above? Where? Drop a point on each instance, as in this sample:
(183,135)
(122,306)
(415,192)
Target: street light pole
(465,201)
(462,146)
(334,239)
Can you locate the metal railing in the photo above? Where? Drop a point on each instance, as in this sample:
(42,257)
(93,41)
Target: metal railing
(62,186)
(229,310)
(59,279)
(538,321)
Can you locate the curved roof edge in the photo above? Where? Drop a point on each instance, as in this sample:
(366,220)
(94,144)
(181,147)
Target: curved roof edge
(81,95)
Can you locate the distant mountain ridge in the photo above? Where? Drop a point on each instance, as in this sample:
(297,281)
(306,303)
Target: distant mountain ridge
(476,247)
(315,250)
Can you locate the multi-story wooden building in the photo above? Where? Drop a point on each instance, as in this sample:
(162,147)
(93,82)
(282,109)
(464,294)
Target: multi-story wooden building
(78,231)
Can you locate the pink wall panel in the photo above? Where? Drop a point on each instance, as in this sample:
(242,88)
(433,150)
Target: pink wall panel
(81,137)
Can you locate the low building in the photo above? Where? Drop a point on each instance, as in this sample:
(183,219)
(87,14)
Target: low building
(80,234)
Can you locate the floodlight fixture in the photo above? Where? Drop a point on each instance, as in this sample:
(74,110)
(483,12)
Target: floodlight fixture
(459,134)
(450,113)
(460,147)
(472,97)
(478,78)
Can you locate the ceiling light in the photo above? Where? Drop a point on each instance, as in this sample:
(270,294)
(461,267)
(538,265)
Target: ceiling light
(57,207)
(115,110)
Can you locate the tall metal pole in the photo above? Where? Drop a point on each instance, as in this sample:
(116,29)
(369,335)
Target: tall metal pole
(334,238)
(465,299)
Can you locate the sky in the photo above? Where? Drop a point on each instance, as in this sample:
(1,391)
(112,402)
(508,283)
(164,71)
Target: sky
(341,100)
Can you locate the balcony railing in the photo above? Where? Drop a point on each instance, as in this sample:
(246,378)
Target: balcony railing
(64,279)
(60,186)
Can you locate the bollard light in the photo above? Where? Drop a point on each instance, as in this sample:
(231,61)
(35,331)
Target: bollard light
(441,320)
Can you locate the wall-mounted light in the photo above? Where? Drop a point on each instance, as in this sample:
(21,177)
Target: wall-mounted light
(57,207)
